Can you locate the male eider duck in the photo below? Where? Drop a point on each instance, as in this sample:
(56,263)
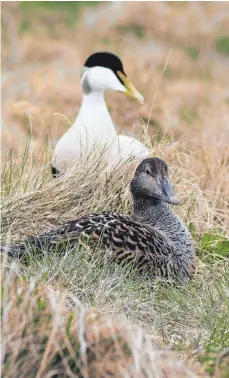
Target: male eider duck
(153,238)
(93,129)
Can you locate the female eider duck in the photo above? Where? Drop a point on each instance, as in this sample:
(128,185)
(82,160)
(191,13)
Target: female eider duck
(153,238)
(93,129)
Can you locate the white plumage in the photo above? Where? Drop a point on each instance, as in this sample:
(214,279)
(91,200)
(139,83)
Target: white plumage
(93,129)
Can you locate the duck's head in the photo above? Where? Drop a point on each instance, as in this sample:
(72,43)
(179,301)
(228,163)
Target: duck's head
(104,71)
(151,180)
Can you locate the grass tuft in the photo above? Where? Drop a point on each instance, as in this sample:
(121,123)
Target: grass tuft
(52,333)
(188,322)
(76,314)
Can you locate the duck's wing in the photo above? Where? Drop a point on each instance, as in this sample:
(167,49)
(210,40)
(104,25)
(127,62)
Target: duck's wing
(125,239)
(128,240)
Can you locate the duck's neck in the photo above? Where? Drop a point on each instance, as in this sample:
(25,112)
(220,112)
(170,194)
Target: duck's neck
(94,115)
(94,98)
(148,210)
(158,214)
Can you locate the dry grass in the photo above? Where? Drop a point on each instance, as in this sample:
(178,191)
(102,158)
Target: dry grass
(55,307)
(201,180)
(167,313)
(41,68)
(43,338)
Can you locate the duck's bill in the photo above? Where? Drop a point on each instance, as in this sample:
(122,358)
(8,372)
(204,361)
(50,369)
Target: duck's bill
(167,192)
(173,200)
(130,88)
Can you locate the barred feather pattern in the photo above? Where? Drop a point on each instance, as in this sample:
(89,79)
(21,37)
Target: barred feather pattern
(125,239)
(153,239)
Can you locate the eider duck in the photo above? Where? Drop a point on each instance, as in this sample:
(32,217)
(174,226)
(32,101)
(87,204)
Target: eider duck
(153,238)
(93,129)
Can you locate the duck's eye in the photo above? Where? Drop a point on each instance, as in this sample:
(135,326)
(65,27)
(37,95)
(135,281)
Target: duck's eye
(148,172)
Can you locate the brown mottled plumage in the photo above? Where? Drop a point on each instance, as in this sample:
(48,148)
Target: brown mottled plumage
(153,238)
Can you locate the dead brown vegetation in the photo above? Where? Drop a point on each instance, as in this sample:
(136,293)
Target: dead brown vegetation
(44,336)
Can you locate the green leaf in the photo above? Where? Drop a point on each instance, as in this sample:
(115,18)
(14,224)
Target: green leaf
(215,244)
(69,323)
(41,304)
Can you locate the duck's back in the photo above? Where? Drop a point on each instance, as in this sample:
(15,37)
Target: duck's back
(129,147)
(125,240)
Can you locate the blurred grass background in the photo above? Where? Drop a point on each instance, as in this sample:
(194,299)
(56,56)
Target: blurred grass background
(44,45)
